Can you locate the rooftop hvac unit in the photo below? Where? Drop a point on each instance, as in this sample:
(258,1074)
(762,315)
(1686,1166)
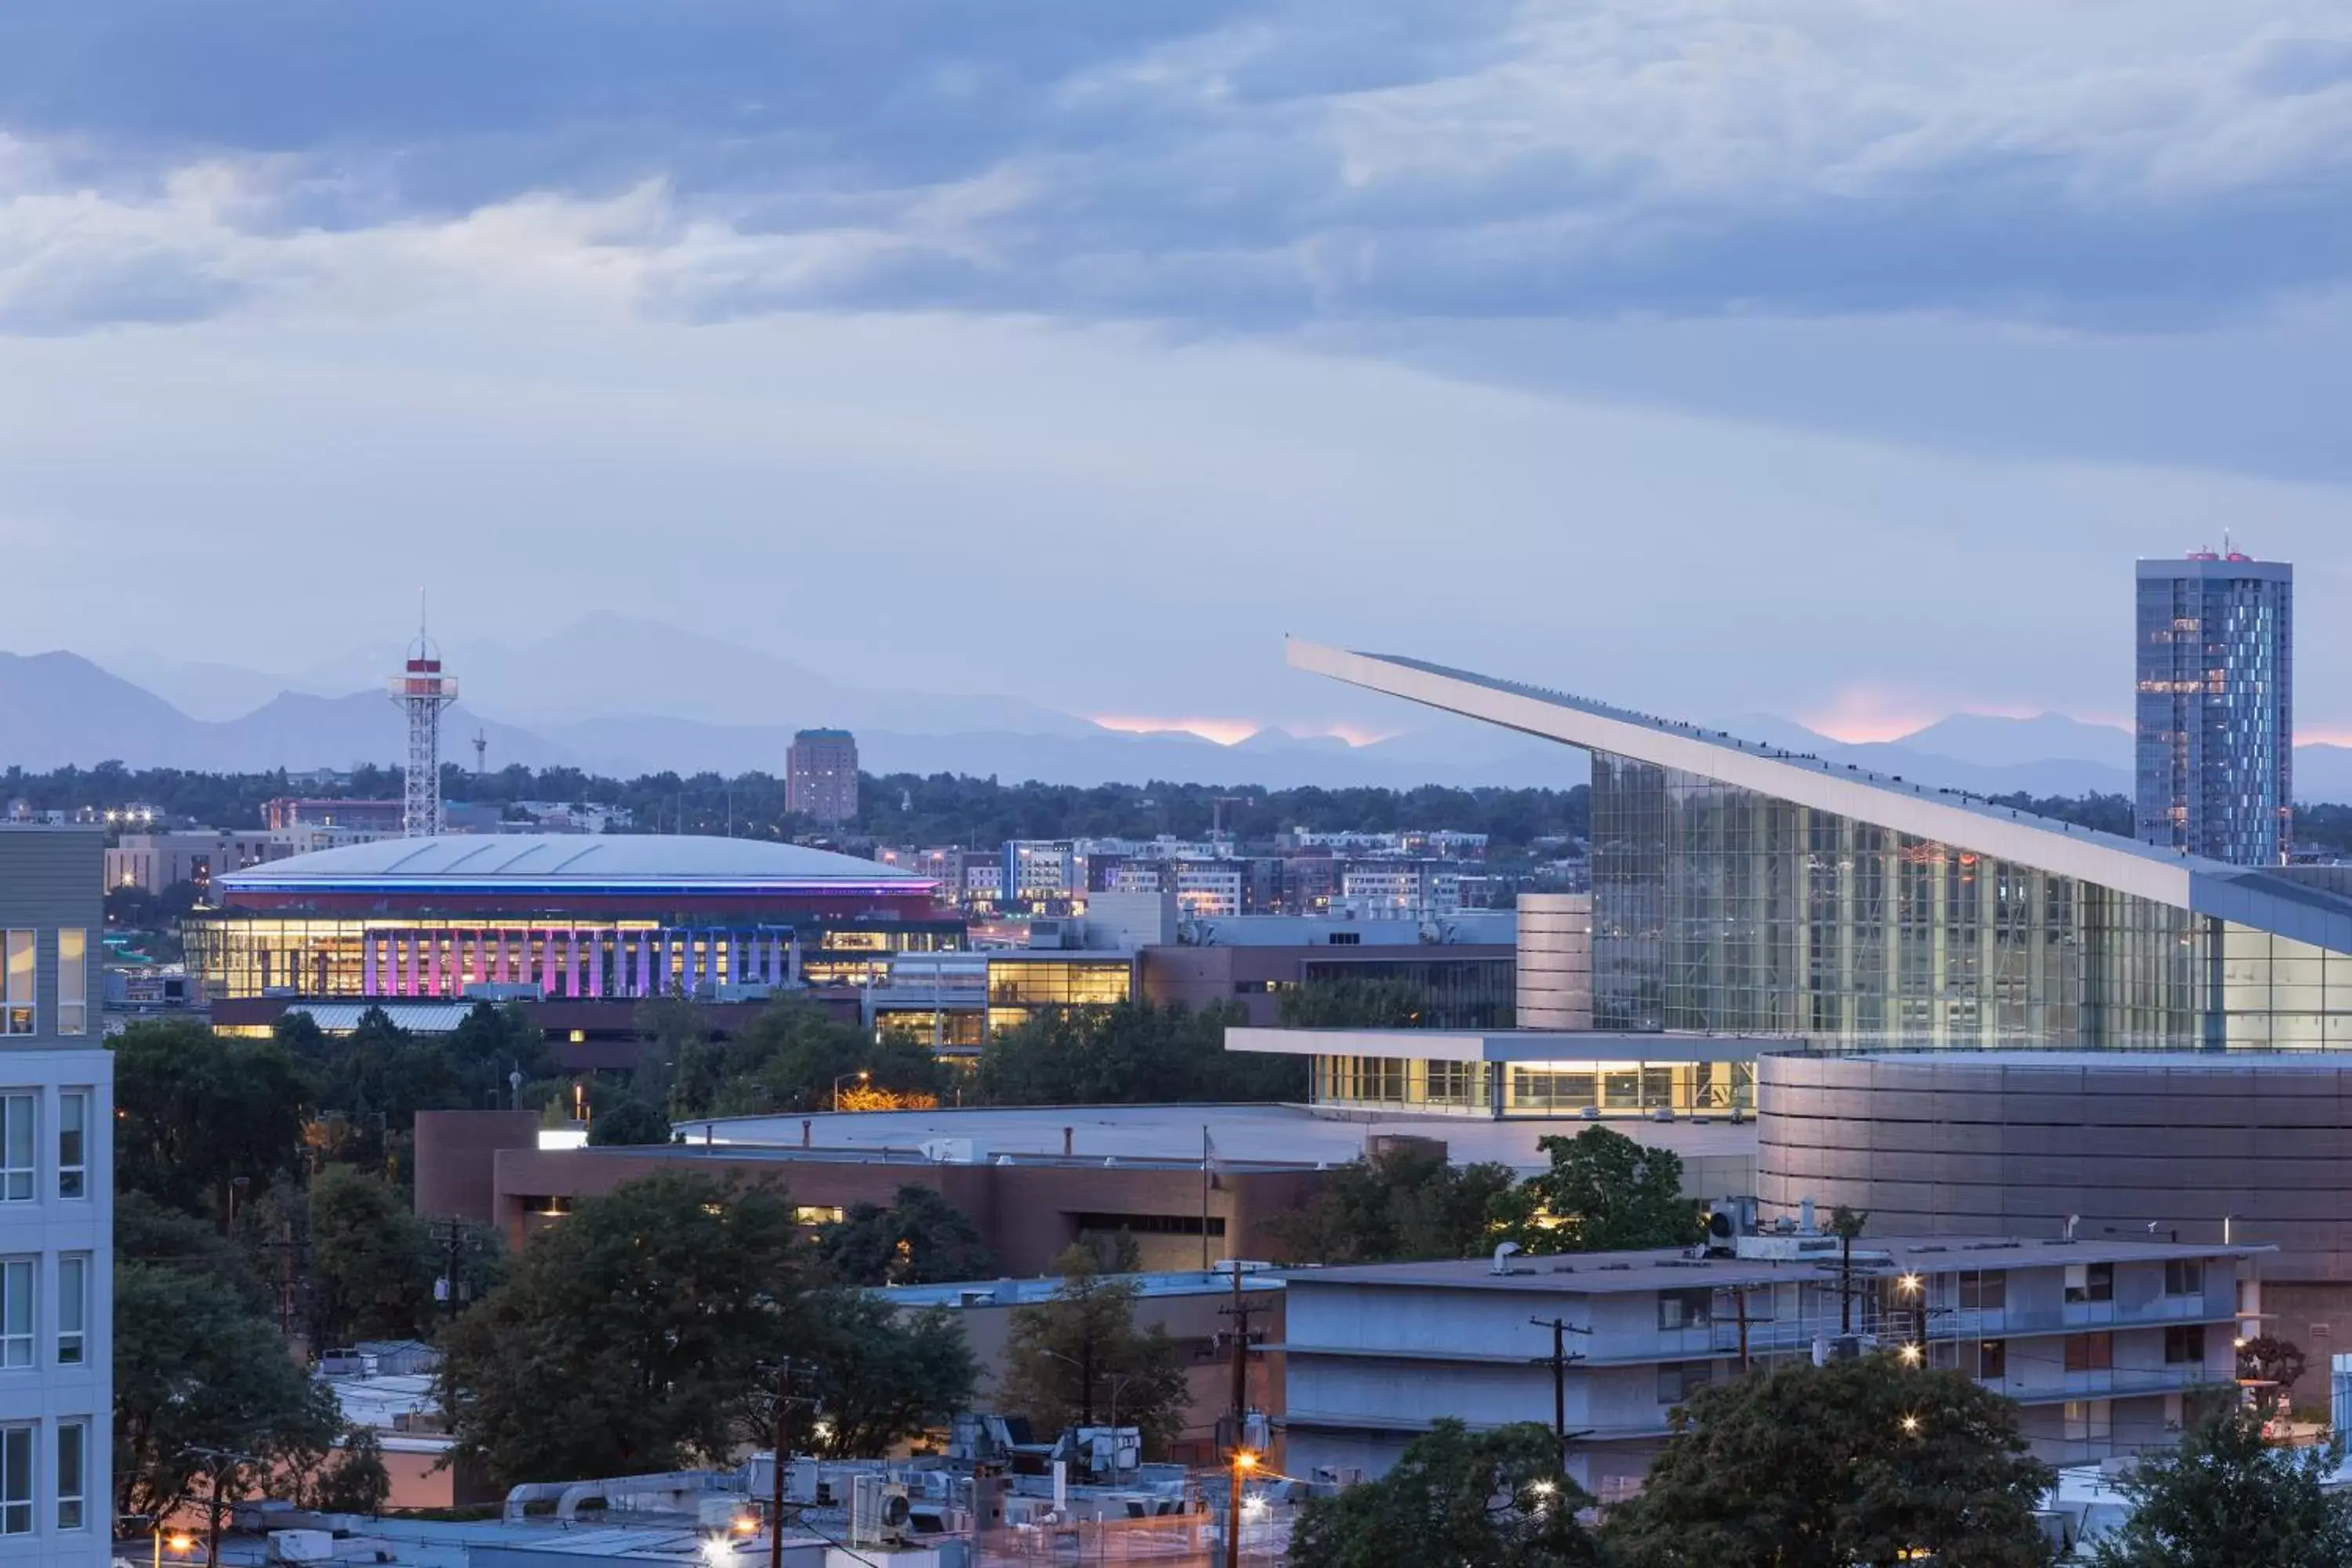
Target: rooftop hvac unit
(878,1511)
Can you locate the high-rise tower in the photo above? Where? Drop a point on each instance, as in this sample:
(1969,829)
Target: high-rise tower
(2216,706)
(421,691)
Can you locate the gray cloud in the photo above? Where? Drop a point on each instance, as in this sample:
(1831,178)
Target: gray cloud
(2143,167)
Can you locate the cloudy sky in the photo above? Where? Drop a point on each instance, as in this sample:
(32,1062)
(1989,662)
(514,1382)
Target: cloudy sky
(1825,357)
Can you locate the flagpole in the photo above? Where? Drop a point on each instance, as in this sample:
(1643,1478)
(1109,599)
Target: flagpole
(1204,1197)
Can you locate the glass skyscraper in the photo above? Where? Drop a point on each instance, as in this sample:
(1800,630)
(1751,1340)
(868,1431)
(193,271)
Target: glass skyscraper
(2216,706)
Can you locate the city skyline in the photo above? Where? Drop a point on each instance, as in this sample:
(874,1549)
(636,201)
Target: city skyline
(1205,305)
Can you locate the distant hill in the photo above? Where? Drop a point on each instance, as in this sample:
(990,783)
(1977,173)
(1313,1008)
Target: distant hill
(661,698)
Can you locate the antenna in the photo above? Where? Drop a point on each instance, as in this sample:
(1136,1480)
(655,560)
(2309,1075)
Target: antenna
(481,753)
(421,692)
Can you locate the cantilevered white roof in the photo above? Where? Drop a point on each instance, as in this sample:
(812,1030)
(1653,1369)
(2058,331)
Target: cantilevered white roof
(575,861)
(2236,893)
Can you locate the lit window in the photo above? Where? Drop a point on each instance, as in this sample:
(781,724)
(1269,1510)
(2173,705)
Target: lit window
(73,1143)
(16,1480)
(73,1439)
(17,989)
(73,1310)
(73,982)
(16,1154)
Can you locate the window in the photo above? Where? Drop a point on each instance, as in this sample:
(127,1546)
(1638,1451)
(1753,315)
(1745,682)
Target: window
(16,997)
(1984,1292)
(16,1480)
(73,1129)
(2090,1353)
(16,1148)
(2090,1282)
(2185,1276)
(1678,1380)
(73,1438)
(1992,1360)
(1684,1309)
(73,1310)
(2184,1345)
(2090,1420)
(17,1312)
(73,982)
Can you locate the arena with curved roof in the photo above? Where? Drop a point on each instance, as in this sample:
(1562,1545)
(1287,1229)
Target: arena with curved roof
(570,916)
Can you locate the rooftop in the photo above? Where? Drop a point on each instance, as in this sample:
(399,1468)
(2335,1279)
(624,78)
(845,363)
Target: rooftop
(511,861)
(1271,1136)
(1026,1293)
(1673,1268)
(1511,1045)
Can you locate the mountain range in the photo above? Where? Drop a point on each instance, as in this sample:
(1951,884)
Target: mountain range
(665,699)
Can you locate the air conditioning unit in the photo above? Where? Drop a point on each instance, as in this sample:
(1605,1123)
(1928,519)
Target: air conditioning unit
(879,1512)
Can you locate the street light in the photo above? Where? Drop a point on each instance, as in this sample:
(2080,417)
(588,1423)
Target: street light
(1243,1463)
(861,1074)
(1911,1425)
(179,1543)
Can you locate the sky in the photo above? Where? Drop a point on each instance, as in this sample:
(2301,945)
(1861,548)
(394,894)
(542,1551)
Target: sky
(1827,358)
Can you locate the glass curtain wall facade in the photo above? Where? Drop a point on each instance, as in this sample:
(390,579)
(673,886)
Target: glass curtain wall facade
(327,958)
(1723,909)
(2215,707)
(1541,1089)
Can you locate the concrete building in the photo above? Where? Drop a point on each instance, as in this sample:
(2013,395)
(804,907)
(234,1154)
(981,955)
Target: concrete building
(2248,1147)
(1031,1179)
(1467,986)
(2109,1345)
(155,862)
(2215,707)
(1399,890)
(1555,961)
(57,1207)
(821,776)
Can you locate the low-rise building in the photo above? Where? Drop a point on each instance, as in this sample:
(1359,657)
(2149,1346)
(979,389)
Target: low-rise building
(2109,1346)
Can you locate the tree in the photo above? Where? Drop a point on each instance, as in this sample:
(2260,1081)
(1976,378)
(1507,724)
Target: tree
(2266,1357)
(1857,1463)
(1407,1202)
(628,1121)
(920,1239)
(1352,1004)
(332,1467)
(147,1232)
(196,1367)
(881,1376)
(1492,1499)
(789,1058)
(1068,1360)
(1132,1053)
(2226,1498)
(374,1263)
(1604,1192)
(194,1110)
(629,1337)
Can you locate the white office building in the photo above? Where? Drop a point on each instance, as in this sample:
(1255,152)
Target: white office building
(56,1184)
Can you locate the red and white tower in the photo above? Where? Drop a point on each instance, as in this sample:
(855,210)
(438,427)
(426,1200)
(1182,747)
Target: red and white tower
(422,692)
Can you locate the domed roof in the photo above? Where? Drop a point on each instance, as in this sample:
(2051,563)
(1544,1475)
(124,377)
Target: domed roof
(518,860)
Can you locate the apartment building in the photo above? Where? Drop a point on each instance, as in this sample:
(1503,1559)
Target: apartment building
(2109,1346)
(56,1184)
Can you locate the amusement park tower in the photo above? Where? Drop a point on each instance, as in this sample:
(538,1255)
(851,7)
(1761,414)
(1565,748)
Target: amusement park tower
(421,691)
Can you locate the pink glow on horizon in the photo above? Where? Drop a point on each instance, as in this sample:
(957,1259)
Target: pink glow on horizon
(1866,714)
(1232,731)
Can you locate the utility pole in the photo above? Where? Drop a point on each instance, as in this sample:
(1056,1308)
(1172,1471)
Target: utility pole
(783,1452)
(1739,1309)
(454,1237)
(1561,1359)
(1239,1338)
(216,1460)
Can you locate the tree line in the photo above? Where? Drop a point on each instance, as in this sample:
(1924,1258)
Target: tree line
(904,808)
